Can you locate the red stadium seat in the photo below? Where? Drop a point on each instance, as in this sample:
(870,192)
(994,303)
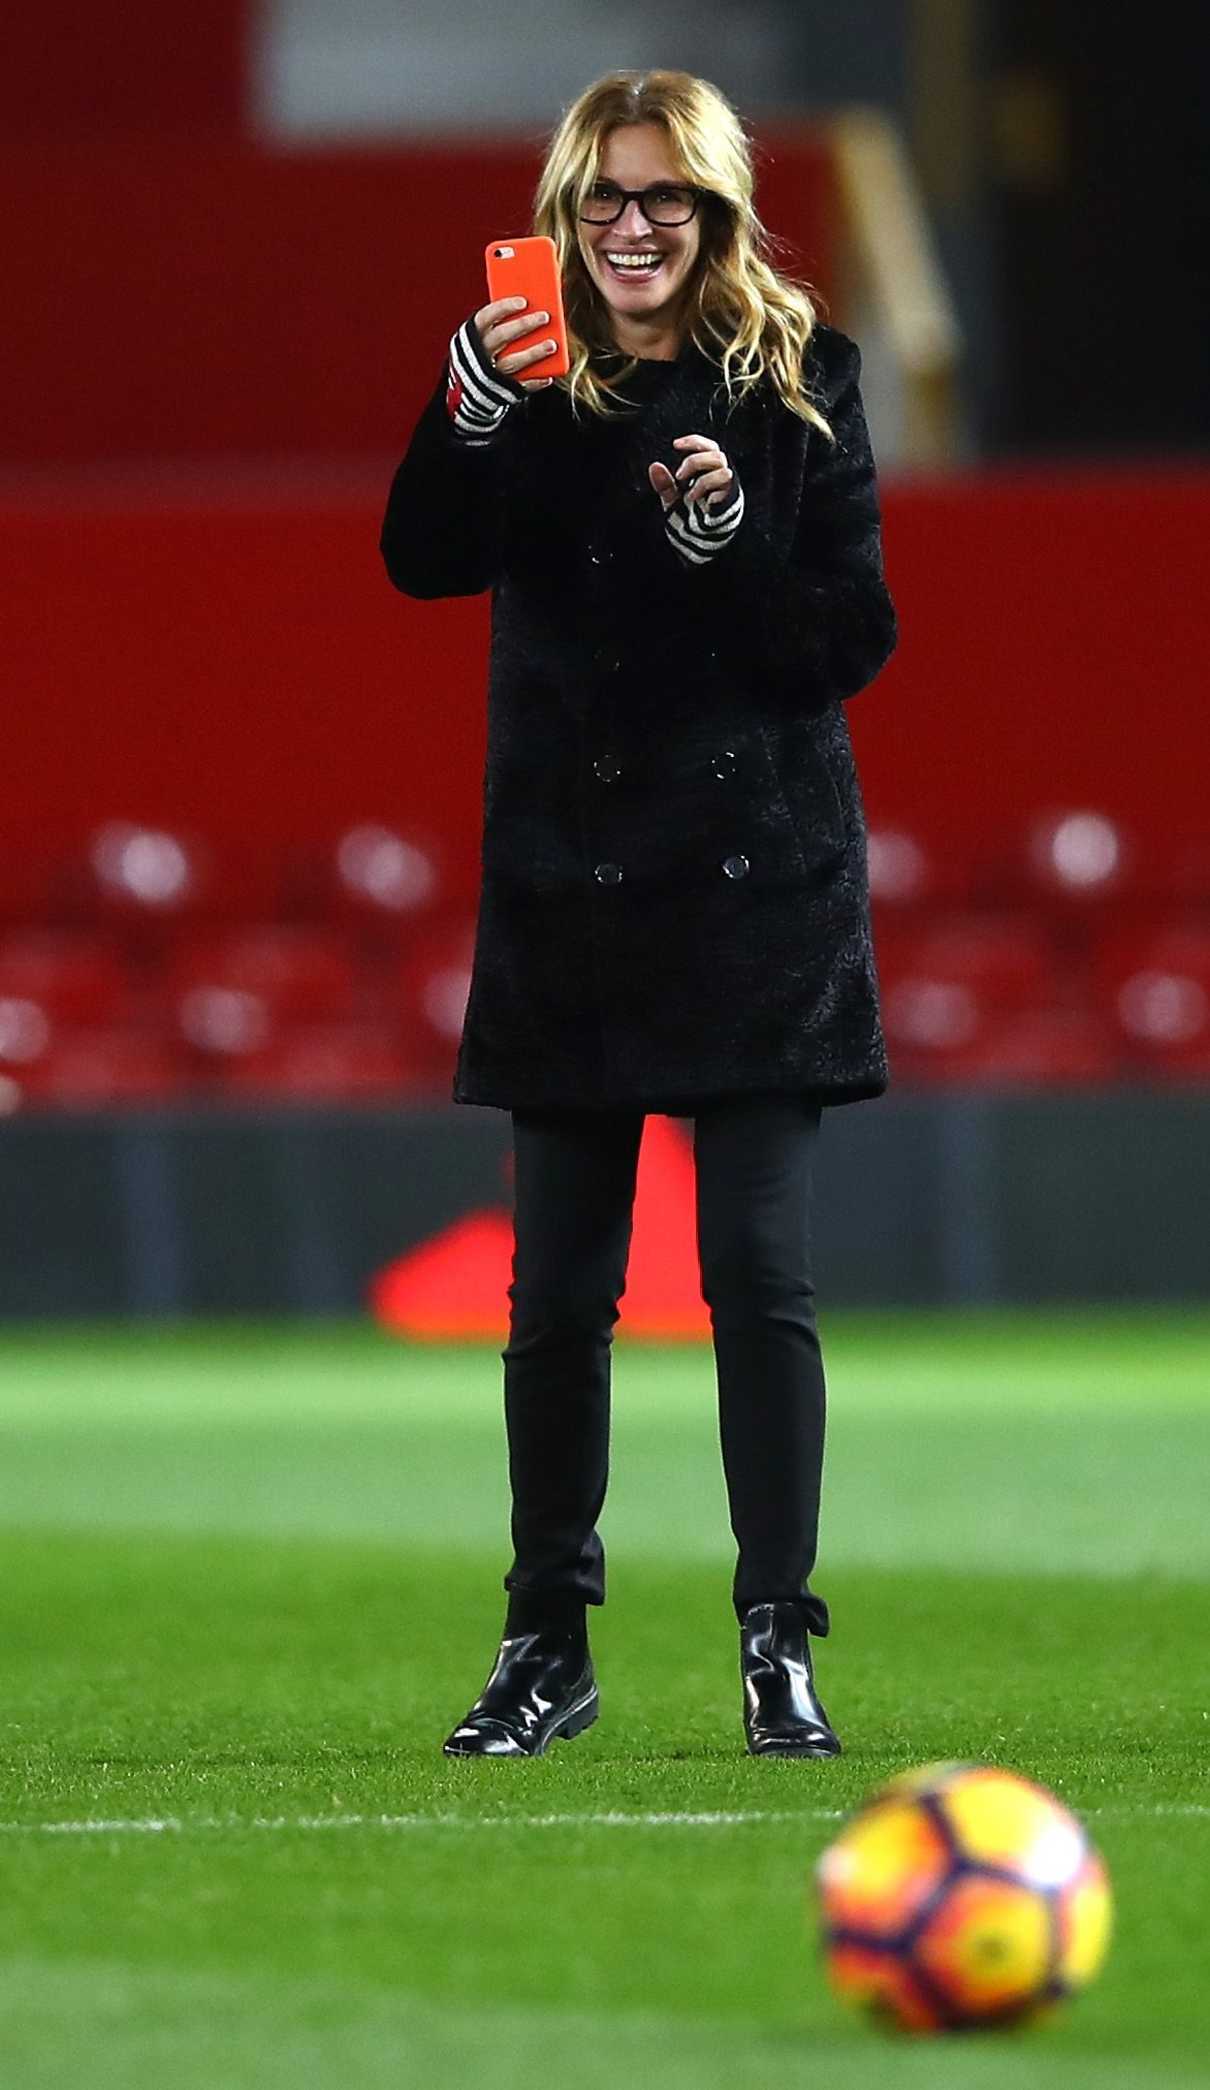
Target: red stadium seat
(376,879)
(26,1035)
(1079,855)
(900,867)
(984,997)
(1154,982)
(906,875)
(299,973)
(331,1061)
(379,870)
(143,882)
(145,872)
(1027,1047)
(1010,960)
(431,984)
(62,1034)
(75,976)
(1076,862)
(217,1027)
(91,1068)
(1180,942)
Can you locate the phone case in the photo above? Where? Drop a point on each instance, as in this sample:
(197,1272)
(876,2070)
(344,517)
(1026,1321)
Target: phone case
(529,267)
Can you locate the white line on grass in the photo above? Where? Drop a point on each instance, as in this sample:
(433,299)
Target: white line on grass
(172,1825)
(179,1825)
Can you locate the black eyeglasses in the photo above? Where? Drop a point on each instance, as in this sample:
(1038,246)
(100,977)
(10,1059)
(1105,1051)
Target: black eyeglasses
(663,203)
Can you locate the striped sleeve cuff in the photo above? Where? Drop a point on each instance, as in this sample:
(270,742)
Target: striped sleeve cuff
(698,533)
(477,397)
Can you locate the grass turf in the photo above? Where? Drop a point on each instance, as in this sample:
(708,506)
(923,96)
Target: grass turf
(249,1577)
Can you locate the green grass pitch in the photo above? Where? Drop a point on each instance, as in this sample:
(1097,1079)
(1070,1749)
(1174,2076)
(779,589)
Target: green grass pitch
(251,1576)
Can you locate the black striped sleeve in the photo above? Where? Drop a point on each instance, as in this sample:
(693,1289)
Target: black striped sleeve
(698,532)
(477,397)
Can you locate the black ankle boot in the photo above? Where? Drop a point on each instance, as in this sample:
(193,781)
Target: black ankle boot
(782,1714)
(541,1689)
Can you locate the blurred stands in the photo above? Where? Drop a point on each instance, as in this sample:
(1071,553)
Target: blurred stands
(136,984)
(243,776)
(1055,957)
(1057,967)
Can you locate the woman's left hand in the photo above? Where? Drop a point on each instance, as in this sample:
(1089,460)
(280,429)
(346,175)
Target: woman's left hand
(703,476)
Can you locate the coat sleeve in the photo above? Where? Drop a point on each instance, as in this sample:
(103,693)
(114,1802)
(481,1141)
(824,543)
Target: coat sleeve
(443,529)
(807,594)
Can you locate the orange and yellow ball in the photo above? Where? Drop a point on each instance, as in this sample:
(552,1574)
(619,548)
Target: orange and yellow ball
(962,1896)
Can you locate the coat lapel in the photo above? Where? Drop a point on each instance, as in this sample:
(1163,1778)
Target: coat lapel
(684,406)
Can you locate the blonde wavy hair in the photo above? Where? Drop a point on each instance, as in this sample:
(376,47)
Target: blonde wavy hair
(743,314)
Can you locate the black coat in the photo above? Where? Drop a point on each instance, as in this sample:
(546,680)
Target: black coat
(674,897)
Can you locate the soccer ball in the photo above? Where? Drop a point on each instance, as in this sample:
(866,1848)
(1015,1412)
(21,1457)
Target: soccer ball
(961,1896)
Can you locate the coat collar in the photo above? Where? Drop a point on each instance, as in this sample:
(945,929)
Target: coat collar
(691,399)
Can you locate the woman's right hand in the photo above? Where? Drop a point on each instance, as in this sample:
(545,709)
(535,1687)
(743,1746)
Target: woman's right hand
(497,324)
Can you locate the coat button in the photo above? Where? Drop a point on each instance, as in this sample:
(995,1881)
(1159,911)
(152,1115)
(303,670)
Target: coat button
(600,554)
(724,762)
(606,658)
(608,874)
(607,768)
(736,866)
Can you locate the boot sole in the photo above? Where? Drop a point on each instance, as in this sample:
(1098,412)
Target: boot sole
(573,1722)
(565,1729)
(789,1749)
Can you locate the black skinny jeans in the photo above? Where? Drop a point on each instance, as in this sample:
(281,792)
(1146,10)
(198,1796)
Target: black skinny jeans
(574,1184)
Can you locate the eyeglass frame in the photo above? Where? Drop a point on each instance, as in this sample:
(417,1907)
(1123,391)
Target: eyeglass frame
(637,196)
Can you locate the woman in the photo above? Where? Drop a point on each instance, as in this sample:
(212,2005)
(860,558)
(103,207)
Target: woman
(682,539)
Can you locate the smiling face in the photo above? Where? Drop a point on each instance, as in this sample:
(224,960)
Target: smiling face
(644,308)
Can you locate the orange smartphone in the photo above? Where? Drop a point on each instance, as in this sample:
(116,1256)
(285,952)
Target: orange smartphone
(529,267)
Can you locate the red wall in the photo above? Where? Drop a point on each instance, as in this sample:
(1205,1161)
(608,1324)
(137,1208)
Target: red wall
(188,295)
(108,65)
(236,660)
(1055,629)
(214,643)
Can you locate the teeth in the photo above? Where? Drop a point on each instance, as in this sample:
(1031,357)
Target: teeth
(634,261)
